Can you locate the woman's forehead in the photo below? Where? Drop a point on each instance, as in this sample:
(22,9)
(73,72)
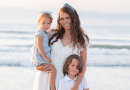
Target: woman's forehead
(63,14)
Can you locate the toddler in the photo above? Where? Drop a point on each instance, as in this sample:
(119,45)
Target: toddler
(41,50)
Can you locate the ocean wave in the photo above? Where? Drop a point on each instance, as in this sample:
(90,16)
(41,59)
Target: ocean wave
(109,65)
(104,51)
(16,64)
(16,38)
(111,40)
(92,50)
(17,32)
(15,48)
(29,64)
(110,46)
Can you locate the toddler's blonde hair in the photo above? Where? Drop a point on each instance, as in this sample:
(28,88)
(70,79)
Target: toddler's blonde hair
(47,15)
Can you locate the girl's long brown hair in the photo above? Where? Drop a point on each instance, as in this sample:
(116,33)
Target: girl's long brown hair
(76,30)
(69,61)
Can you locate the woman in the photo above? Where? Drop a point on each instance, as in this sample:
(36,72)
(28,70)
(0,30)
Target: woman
(67,39)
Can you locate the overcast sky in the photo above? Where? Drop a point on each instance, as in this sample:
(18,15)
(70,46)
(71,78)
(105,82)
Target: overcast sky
(92,10)
(111,6)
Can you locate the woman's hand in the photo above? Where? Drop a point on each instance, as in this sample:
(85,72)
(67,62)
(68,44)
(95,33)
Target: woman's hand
(75,88)
(45,67)
(47,59)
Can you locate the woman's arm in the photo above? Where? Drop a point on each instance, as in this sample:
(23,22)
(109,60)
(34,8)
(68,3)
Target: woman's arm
(80,76)
(86,89)
(40,48)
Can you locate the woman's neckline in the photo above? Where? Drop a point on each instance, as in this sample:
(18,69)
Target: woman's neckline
(65,45)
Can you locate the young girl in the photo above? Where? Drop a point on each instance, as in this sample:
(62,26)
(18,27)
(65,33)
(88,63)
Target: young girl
(41,50)
(72,66)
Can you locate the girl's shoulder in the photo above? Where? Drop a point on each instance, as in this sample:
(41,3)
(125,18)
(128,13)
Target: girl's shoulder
(84,80)
(62,79)
(39,33)
(85,83)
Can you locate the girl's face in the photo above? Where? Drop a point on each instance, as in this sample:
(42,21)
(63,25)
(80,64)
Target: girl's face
(65,20)
(44,24)
(73,67)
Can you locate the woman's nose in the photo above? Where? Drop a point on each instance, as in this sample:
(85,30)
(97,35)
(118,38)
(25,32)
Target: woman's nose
(64,21)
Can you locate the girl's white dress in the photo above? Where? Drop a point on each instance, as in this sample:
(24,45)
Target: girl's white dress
(58,56)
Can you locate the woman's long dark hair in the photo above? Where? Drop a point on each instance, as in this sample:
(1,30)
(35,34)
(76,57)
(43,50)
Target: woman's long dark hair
(76,30)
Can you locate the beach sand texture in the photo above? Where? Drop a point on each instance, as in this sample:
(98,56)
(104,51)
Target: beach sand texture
(99,78)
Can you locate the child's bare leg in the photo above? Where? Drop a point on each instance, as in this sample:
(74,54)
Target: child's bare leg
(52,78)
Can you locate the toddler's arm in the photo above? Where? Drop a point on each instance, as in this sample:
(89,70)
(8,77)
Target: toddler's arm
(41,49)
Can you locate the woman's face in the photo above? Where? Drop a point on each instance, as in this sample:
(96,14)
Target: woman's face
(65,20)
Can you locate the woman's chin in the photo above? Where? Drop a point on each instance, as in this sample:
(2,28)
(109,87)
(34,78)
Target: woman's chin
(67,28)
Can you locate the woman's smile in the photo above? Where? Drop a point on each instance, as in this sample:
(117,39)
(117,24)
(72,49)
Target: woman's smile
(67,25)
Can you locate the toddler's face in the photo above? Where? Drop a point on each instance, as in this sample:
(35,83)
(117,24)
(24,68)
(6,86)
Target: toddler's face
(44,24)
(73,67)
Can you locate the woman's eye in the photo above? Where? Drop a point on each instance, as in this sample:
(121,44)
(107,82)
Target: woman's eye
(48,23)
(67,17)
(77,67)
(43,22)
(72,65)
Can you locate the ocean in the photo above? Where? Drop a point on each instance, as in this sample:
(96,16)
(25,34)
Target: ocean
(108,59)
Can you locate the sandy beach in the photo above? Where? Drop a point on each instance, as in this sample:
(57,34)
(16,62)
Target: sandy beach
(99,78)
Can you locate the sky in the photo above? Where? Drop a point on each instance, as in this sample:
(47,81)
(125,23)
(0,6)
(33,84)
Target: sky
(91,12)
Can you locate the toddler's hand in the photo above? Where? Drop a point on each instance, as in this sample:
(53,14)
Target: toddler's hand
(48,59)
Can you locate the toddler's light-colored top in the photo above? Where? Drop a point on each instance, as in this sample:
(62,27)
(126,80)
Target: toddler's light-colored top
(36,57)
(67,83)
